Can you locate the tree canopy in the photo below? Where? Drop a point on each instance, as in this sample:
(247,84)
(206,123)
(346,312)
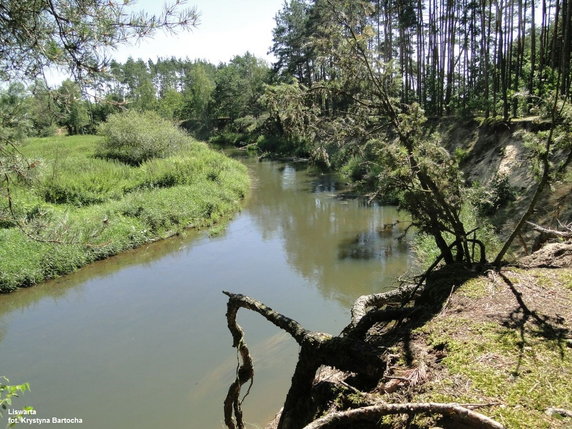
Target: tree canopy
(76,35)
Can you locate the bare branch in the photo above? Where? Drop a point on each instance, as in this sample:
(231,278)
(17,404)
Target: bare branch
(289,325)
(361,305)
(374,413)
(555,232)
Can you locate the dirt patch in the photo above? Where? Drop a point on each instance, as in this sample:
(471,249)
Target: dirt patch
(505,341)
(553,255)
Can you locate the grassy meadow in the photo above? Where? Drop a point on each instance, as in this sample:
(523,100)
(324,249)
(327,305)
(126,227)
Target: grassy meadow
(77,207)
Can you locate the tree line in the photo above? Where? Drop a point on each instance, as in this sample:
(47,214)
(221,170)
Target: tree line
(489,58)
(480,57)
(197,92)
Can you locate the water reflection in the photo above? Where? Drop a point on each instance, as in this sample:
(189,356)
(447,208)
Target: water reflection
(150,323)
(344,247)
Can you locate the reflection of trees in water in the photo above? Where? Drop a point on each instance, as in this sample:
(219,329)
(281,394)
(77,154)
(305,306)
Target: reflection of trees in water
(346,248)
(372,245)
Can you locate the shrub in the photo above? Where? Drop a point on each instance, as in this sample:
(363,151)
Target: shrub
(496,195)
(134,137)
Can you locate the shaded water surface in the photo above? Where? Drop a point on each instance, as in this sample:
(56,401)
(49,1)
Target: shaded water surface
(140,340)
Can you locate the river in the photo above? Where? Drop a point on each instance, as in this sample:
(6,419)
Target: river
(140,340)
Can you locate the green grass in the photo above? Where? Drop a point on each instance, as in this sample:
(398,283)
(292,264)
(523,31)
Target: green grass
(528,380)
(95,208)
(521,372)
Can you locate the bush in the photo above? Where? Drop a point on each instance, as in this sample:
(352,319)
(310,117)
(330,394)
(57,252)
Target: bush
(134,137)
(491,198)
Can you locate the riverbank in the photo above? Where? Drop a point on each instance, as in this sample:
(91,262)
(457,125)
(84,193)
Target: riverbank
(497,343)
(77,208)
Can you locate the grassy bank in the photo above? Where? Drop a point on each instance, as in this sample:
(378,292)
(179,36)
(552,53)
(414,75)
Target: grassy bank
(497,343)
(503,341)
(77,208)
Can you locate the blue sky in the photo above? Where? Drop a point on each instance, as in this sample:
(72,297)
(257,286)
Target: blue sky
(227,28)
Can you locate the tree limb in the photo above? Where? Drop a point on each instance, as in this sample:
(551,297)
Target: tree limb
(373,413)
(563,234)
(237,301)
(361,305)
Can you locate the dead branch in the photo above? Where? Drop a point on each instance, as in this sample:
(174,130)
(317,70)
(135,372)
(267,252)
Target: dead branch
(559,411)
(346,353)
(289,325)
(553,232)
(244,372)
(375,412)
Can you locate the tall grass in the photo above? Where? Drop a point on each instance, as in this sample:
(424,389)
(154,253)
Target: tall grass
(98,207)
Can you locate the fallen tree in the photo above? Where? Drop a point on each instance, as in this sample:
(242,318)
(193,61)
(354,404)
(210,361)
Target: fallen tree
(349,352)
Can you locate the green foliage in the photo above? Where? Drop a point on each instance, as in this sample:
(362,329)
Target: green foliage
(170,105)
(238,87)
(84,181)
(199,90)
(354,169)
(281,145)
(15,122)
(228,138)
(497,194)
(38,35)
(9,392)
(292,114)
(289,36)
(72,109)
(426,251)
(82,208)
(460,154)
(134,137)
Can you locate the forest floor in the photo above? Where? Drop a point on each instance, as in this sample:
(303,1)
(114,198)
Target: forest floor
(499,343)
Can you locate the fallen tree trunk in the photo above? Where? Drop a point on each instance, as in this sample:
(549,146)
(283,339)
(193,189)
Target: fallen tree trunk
(344,353)
(349,352)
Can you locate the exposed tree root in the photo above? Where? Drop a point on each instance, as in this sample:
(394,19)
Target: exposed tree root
(375,412)
(317,349)
(349,352)
(364,302)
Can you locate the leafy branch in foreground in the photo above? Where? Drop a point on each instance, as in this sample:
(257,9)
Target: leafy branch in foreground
(75,35)
(9,392)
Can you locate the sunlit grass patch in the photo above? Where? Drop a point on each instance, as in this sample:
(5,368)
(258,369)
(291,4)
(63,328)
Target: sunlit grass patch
(518,361)
(78,208)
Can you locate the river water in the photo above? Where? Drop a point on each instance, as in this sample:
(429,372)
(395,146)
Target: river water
(140,340)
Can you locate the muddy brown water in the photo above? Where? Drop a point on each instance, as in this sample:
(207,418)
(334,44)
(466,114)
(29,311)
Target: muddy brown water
(140,340)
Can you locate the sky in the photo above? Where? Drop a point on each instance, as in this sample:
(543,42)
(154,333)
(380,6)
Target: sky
(227,28)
